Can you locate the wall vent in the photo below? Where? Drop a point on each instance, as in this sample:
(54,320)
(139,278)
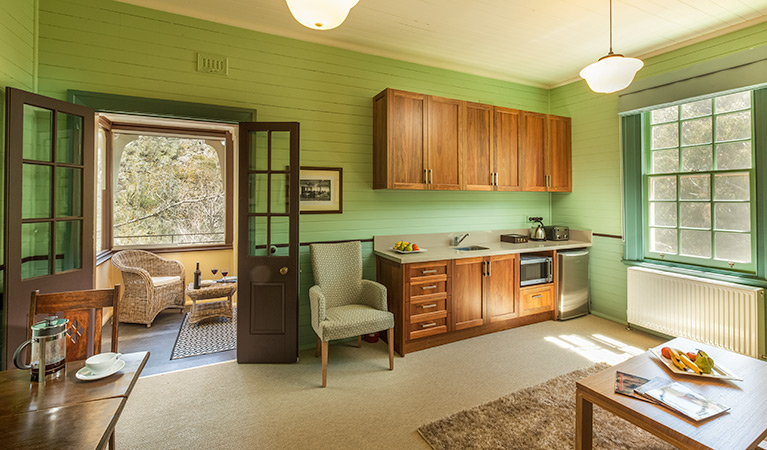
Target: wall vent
(213,64)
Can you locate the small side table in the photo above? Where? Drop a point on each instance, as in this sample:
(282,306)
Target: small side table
(220,308)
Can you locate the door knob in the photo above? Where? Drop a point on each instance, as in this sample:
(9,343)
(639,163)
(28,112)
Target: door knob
(284,270)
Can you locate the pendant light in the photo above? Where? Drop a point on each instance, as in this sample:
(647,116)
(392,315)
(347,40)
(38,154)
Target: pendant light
(320,14)
(611,72)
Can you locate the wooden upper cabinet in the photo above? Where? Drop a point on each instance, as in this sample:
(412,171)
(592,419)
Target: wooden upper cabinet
(506,143)
(479,164)
(445,117)
(533,146)
(502,281)
(559,160)
(399,140)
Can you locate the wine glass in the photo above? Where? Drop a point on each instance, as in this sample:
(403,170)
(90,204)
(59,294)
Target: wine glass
(214,271)
(224,272)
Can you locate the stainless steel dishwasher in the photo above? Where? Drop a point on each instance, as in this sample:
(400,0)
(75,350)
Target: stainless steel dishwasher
(572,283)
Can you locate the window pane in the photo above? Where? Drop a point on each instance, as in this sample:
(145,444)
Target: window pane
(37,134)
(68,249)
(259,150)
(663,188)
(258,193)
(665,161)
(733,155)
(35,249)
(732,216)
(280,150)
(696,131)
(695,243)
(257,236)
(663,240)
(733,186)
(69,188)
(695,187)
(664,114)
(101,182)
(279,193)
(696,109)
(69,133)
(35,191)
(696,159)
(665,136)
(735,247)
(733,126)
(663,214)
(695,215)
(280,233)
(733,102)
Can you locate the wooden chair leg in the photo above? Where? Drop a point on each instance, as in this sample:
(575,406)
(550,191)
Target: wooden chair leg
(390,338)
(317,348)
(324,363)
(359,341)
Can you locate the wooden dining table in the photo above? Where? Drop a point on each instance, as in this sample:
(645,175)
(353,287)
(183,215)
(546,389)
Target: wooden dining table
(65,412)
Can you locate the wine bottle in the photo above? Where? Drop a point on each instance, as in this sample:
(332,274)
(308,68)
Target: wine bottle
(197,276)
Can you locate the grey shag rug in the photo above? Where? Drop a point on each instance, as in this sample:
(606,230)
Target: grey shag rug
(540,417)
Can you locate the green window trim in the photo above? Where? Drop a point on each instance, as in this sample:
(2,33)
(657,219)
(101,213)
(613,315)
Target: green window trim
(635,200)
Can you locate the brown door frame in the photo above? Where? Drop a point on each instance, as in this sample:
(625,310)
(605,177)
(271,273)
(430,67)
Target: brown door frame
(275,340)
(17,291)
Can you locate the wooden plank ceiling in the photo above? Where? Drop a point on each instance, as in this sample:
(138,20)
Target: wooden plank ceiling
(540,43)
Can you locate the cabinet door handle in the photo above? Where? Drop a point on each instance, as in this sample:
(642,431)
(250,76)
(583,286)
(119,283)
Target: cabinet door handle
(484,268)
(537,296)
(489,268)
(496,178)
(429,325)
(434,286)
(433,305)
(424,272)
(431,176)
(425,176)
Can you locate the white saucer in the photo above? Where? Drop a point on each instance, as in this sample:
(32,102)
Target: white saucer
(86,375)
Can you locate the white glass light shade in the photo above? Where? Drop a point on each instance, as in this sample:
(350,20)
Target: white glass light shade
(320,14)
(611,73)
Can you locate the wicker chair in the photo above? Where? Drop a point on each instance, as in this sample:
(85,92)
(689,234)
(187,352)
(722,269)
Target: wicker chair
(152,284)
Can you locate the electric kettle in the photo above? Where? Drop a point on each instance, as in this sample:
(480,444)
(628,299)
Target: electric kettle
(537,233)
(49,349)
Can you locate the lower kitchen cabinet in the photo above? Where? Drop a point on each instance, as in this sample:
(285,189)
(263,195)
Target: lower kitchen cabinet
(500,287)
(467,293)
(536,299)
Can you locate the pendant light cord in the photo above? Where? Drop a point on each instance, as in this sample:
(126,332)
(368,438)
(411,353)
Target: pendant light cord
(611,27)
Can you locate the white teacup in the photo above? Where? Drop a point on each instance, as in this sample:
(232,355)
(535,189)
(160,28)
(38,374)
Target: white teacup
(102,362)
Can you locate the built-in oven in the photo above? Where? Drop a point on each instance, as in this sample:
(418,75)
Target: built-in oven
(535,270)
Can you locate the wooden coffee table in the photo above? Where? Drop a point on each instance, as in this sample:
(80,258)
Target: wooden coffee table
(743,427)
(219,308)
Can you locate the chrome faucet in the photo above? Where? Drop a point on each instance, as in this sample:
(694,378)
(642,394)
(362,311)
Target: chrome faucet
(458,239)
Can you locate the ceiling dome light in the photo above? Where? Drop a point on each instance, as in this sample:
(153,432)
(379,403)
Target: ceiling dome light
(611,72)
(320,14)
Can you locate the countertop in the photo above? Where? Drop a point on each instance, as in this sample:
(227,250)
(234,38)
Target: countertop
(437,245)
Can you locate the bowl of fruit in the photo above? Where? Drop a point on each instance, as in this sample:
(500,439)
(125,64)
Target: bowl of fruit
(407,247)
(697,363)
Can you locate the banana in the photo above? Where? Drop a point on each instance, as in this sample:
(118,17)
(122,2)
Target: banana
(687,362)
(676,359)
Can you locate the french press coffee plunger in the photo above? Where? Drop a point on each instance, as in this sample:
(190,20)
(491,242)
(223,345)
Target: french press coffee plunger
(49,349)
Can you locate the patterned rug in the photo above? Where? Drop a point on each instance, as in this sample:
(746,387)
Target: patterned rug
(213,335)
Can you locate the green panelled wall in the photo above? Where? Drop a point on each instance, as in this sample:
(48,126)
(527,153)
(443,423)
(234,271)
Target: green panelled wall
(116,48)
(595,202)
(17,62)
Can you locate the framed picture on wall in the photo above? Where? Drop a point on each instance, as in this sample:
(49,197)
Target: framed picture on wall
(320,190)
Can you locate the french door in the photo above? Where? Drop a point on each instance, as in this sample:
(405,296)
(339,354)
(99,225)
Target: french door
(267,305)
(48,204)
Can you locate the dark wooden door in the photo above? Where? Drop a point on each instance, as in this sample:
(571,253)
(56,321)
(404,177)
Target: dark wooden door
(468,306)
(506,149)
(267,305)
(478,162)
(532,148)
(502,282)
(407,139)
(48,204)
(445,126)
(558,159)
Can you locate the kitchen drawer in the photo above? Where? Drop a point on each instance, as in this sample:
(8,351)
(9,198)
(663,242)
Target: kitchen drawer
(427,270)
(427,306)
(428,288)
(533,300)
(428,327)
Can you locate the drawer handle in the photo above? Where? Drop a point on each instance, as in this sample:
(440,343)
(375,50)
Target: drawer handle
(433,305)
(434,286)
(537,296)
(424,272)
(429,325)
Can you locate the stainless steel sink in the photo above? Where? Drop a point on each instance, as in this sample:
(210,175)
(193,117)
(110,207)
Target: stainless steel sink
(471,248)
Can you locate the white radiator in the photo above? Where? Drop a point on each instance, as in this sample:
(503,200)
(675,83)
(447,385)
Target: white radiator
(725,315)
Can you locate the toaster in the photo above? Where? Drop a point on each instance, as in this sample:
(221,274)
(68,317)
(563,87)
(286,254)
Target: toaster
(557,233)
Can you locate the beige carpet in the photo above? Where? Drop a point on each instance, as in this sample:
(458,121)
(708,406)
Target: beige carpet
(541,417)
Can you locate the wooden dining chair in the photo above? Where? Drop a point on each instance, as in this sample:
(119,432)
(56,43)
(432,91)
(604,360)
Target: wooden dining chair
(77,306)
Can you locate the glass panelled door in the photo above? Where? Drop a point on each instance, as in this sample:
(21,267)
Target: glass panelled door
(49,200)
(268,243)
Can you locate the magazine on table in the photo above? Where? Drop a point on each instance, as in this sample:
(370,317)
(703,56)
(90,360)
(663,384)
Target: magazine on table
(626,383)
(681,399)
(232,279)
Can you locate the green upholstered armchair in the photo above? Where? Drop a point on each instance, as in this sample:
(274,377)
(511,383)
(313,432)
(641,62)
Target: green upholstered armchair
(343,304)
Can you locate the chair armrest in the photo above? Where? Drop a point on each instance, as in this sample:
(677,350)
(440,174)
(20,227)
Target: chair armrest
(317,301)
(167,268)
(373,294)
